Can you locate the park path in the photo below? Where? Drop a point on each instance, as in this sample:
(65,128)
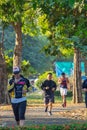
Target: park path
(36,115)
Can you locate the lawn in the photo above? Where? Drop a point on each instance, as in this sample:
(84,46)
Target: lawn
(37,97)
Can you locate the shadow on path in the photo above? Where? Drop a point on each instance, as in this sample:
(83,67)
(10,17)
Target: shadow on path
(36,115)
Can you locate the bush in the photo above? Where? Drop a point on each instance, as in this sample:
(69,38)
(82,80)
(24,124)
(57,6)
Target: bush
(43,77)
(69,93)
(26,67)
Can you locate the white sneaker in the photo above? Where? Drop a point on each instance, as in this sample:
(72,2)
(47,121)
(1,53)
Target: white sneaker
(49,113)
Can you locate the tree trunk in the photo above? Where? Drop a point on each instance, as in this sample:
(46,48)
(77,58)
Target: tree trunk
(77,90)
(4,98)
(17,58)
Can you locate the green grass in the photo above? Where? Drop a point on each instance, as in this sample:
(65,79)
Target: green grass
(37,97)
(49,127)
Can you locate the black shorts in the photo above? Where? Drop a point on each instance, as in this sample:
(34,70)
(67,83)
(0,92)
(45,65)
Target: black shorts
(49,99)
(19,110)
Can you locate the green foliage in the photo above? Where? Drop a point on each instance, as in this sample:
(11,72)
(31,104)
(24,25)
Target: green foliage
(26,68)
(9,62)
(69,93)
(37,58)
(11,10)
(43,77)
(32,50)
(67,23)
(22,11)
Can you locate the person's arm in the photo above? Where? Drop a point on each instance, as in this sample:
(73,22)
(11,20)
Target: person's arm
(67,80)
(54,87)
(11,82)
(10,90)
(68,84)
(59,81)
(43,86)
(27,84)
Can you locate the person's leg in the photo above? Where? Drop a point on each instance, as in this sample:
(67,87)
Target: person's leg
(64,100)
(22,110)
(22,122)
(46,107)
(15,107)
(51,101)
(50,106)
(64,93)
(18,122)
(46,102)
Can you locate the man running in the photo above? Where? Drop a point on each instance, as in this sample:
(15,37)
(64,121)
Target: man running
(48,86)
(63,81)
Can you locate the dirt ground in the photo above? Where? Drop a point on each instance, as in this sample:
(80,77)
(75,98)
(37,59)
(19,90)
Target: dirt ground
(73,113)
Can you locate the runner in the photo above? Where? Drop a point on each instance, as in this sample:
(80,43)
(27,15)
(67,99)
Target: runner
(48,86)
(18,92)
(64,85)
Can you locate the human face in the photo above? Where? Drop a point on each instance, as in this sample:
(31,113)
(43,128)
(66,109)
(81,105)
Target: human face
(17,76)
(49,76)
(63,75)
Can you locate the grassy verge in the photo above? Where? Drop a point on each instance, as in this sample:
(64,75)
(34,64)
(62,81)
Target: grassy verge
(49,127)
(37,97)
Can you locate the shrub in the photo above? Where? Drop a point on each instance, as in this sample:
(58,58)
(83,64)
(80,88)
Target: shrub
(26,67)
(69,93)
(43,77)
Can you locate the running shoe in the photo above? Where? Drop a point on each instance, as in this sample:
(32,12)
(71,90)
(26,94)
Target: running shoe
(49,113)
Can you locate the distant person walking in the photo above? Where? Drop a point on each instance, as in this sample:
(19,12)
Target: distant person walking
(48,86)
(18,92)
(64,86)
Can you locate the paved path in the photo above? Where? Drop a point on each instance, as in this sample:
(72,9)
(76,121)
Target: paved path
(36,115)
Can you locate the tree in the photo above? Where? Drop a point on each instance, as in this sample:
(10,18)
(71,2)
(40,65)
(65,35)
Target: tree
(4,98)
(67,23)
(20,15)
(77,89)
(13,12)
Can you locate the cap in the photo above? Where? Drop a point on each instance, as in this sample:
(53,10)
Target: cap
(16,70)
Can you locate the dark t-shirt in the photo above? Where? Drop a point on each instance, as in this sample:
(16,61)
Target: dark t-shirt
(48,83)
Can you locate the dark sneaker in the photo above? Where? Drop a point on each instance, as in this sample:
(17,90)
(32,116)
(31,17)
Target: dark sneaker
(64,105)
(49,113)
(46,109)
